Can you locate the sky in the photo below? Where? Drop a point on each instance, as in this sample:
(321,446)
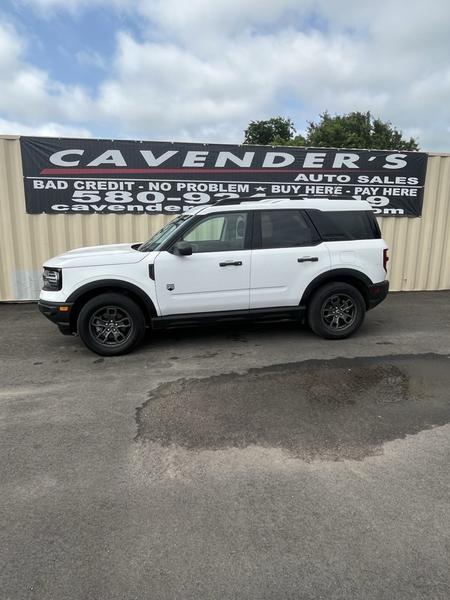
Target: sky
(201,70)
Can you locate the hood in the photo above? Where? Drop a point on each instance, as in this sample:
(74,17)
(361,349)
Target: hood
(95,256)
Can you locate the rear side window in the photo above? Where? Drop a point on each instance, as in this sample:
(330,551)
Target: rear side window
(286,229)
(334,226)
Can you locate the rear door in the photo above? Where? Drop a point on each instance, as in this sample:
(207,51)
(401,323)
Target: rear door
(353,238)
(287,255)
(216,277)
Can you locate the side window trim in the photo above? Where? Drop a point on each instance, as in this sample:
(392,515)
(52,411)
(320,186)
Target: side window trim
(256,234)
(250,229)
(308,215)
(319,239)
(374,225)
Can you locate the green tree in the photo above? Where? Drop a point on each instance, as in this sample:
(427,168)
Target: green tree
(277,131)
(357,130)
(353,130)
(296,140)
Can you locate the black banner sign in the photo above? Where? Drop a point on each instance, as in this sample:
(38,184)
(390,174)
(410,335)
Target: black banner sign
(70,176)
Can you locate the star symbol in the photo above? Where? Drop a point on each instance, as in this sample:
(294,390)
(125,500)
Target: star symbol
(260,189)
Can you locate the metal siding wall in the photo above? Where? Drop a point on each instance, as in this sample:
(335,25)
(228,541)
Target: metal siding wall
(419,248)
(27,241)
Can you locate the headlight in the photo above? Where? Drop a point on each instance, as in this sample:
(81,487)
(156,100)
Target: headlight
(52,279)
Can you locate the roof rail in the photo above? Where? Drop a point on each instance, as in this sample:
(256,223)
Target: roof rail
(275,197)
(248,199)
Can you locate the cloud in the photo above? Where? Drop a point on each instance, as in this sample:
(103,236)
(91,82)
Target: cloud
(28,93)
(161,88)
(201,70)
(42,129)
(90,58)
(201,21)
(49,7)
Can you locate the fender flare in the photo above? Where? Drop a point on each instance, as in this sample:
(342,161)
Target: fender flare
(359,278)
(105,284)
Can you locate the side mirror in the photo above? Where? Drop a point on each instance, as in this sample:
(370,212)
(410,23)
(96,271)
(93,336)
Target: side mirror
(182,249)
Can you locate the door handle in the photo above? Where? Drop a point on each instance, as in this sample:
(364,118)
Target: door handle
(231,263)
(308,259)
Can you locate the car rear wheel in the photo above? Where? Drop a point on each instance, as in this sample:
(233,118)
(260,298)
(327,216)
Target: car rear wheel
(336,310)
(111,324)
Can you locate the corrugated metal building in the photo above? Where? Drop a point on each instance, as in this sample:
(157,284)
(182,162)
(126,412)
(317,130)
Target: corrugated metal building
(419,247)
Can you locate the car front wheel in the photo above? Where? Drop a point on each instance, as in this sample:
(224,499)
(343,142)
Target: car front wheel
(111,324)
(336,310)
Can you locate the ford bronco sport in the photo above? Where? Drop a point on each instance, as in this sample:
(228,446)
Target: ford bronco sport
(317,260)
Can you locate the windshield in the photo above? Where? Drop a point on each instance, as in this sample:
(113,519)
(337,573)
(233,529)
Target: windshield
(163,234)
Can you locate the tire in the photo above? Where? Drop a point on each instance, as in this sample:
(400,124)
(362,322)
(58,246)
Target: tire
(336,311)
(111,324)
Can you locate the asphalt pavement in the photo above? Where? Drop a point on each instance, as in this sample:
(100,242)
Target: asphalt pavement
(236,462)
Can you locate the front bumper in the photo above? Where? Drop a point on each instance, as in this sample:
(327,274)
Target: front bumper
(377,292)
(53,312)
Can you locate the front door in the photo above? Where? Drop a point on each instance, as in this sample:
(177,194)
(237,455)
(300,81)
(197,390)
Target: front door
(216,277)
(288,254)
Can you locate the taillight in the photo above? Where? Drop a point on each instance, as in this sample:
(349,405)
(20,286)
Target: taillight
(385,258)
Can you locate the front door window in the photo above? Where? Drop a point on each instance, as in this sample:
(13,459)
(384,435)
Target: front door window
(218,233)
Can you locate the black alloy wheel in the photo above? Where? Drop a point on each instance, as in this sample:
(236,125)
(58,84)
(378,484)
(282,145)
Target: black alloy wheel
(336,310)
(111,324)
(339,311)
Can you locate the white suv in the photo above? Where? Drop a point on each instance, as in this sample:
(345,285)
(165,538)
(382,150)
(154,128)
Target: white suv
(314,259)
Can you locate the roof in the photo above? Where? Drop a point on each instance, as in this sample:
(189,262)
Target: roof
(325,204)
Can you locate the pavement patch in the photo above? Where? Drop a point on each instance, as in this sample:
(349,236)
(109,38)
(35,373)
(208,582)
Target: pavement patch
(327,410)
